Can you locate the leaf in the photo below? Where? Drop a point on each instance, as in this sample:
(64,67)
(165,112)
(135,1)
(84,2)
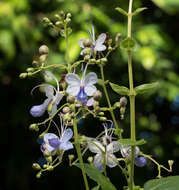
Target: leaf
(128,43)
(96,188)
(166,183)
(137,11)
(130,142)
(146,88)
(97,176)
(122,11)
(122,90)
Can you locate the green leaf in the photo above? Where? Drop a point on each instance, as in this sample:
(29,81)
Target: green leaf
(122,11)
(122,90)
(129,142)
(97,176)
(166,183)
(128,43)
(146,88)
(137,11)
(96,188)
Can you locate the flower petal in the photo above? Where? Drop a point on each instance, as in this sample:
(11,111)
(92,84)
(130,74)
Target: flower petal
(95,149)
(48,136)
(99,47)
(98,162)
(91,78)
(54,142)
(114,146)
(54,110)
(90,102)
(99,42)
(80,42)
(67,135)
(58,98)
(111,160)
(90,90)
(73,90)
(49,91)
(66,145)
(73,79)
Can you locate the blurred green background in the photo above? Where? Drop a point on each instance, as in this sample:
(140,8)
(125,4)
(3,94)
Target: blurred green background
(155,59)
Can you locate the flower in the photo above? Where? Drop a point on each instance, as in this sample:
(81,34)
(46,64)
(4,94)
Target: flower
(140,161)
(104,150)
(95,45)
(54,143)
(53,99)
(82,88)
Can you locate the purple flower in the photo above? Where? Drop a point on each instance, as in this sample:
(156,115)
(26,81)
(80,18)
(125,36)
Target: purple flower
(126,151)
(82,88)
(140,161)
(53,143)
(53,97)
(96,45)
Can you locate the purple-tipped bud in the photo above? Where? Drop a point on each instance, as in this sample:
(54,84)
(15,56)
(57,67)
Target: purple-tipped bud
(82,96)
(37,111)
(140,161)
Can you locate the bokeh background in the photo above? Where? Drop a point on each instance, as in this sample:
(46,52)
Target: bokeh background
(155,59)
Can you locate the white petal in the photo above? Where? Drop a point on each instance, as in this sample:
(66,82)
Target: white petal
(49,91)
(91,78)
(93,33)
(73,79)
(99,47)
(67,135)
(58,98)
(80,43)
(90,90)
(48,136)
(113,147)
(98,161)
(111,160)
(49,148)
(66,145)
(90,102)
(95,149)
(73,90)
(54,110)
(82,52)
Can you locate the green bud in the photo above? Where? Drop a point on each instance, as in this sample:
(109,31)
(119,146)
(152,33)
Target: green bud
(48,158)
(71,99)
(34,63)
(71,157)
(110,48)
(66,109)
(68,15)
(117,105)
(102,118)
(30,69)
(33,126)
(72,107)
(62,13)
(122,110)
(43,50)
(97,109)
(90,159)
(67,117)
(58,23)
(36,166)
(170,163)
(57,16)
(101,113)
(29,74)
(67,20)
(118,36)
(23,75)
(104,60)
(49,108)
(38,175)
(123,101)
(97,95)
(46,20)
(45,166)
(95,104)
(87,51)
(92,61)
(42,58)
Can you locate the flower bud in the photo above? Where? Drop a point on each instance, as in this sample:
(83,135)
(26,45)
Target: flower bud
(36,166)
(57,16)
(86,58)
(92,61)
(34,63)
(43,50)
(118,36)
(49,108)
(46,20)
(67,117)
(104,60)
(71,157)
(58,23)
(48,158)
(42,58)
(110,48)
(87,51)
(117,105)
(66,109)
(122,110)
(90,159)
(62,13)
(50,168)
(46,153)
(87,42)
(97,95)
(33,126)
(39,174)
(123,101)
(30,69)
(23,75)
(71,99)
(101,113)
(102,118)
(68,15)
(45,166)
(140,161)
(67,20)
(170,163)
(97,109)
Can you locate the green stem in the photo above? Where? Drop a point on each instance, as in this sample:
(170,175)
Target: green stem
(132,101)
(107,98)
(77,145)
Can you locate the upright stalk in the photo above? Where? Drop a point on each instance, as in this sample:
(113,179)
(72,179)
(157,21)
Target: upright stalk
(77,145)
(132,101)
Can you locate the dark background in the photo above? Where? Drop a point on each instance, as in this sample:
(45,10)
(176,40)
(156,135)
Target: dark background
(155,59)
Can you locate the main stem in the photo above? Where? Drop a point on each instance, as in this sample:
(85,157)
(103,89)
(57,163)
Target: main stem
(132,101)
(77,145)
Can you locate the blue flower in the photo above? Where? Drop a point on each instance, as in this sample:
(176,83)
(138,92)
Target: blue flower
(53,99)
(140,161)
(96,45)
(54,143)
(82,88)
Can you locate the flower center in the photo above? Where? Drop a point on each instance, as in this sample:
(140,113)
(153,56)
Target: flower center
(82,96)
